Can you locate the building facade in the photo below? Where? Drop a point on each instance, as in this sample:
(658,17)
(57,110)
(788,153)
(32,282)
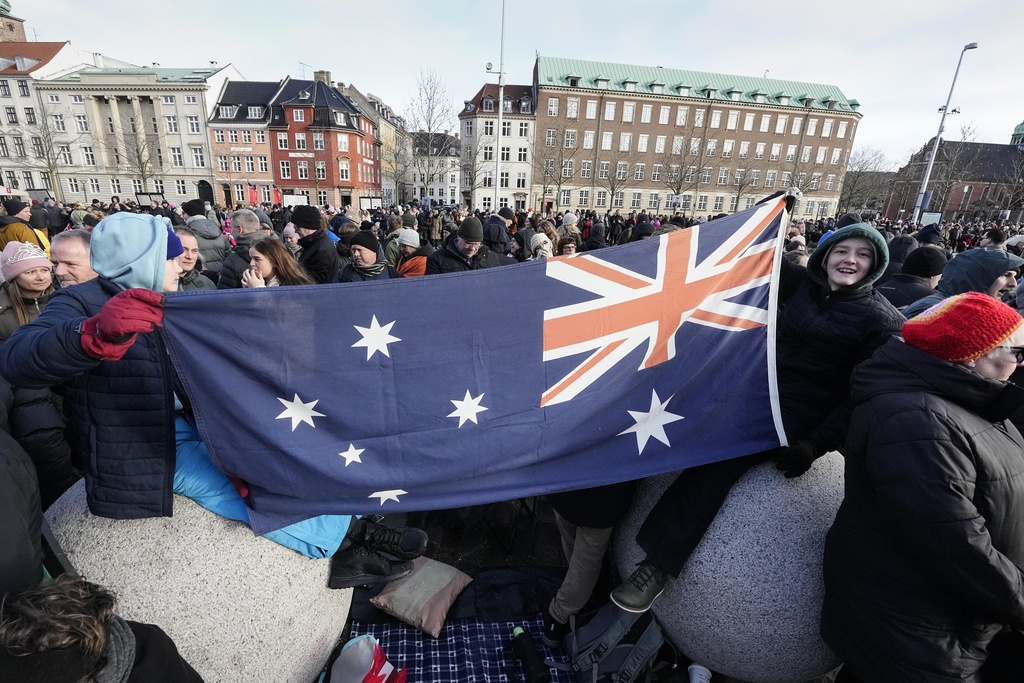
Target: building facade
(133,131)
(631,138)
(240,142)
(12,29)
(513,145)
(969,181)
(436,167)
(322,145)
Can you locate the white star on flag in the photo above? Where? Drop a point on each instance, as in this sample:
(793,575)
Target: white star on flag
(376,338)
(299,411)
(388,495)
(467,409)
(352,454)
(652,423)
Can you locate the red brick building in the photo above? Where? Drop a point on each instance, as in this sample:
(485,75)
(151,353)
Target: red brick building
(322,146)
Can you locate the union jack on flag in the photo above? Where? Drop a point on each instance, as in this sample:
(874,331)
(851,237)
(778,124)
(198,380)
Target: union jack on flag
(462,389)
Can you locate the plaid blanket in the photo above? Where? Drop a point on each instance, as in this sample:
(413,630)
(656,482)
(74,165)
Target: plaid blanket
(467,651)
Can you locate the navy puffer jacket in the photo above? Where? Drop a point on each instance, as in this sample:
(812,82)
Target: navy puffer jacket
(123,411)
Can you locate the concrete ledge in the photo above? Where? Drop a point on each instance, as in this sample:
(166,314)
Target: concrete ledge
(240,608)
(748,603)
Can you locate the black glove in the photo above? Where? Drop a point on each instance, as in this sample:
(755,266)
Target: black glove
(795,459)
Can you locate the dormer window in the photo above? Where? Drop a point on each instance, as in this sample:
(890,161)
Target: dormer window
(303,94)
(683,90)
(657,88)
(734,94)
(227,112)
(524,106)
(759,97)
(506,106)
(784,99)
(630,85)
(602,83)
(339,118)
(710,92)
(488,103)
(830,103)
(469,107)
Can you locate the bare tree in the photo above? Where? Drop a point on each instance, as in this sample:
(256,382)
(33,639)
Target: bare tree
(617,172)
(1011,194)
(51,142)
(395,163)
(954,163)
(432,117)
(866,181)
(688,155)
(556,158)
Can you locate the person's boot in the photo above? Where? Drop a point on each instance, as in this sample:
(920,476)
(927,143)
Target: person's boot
(359,565)
(405,543)
(641,589)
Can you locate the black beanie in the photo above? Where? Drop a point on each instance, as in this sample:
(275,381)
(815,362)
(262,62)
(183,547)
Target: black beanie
(13,206)
(471,229)
(307,217)
(924,262)
(194,207)
(365,238)
(848,219)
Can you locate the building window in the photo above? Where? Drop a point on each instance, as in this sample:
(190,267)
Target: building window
(198,157)
(218,136)
(641,143)
(318,141)
(727,149)
(841,130)
(572,108)
(797,125)
(625,142)
(659,144)
(586,168)
(300,141)
(486,201)
(787,177)
(88,157)
(168,99)
(570,139)
(506,153)
(299,115)
(677,144)
(233,136)
(193,124)
(815,181)
(524,108)
(282,140)
(524,129)
(5,88)
(63,152)
(77,99)
(522,154)
(171,123)
(826,128)
(705,174)
(568,168)
(755,178)
(602,198)
(837,154)
(591,109)
(812,126)
(343,170)
(617,199)
(286,170)
(716,119)
(236,164)
(12,115)
(46,180)
(506,129)
(603,169)
(639,170)
(250,165)
(698,118)
(261,136)
(606,141)
(712,148)
(653,201)
(634,202)
(552,106)
(769,179)
(72,182)
(621,170)
(177,159)
(37,147)
(776,152)
(488,103)
(830,182)
(628,108)
(303,169)
(264,166)
(58,123)
(723,176)
(521,180)
(488,179)
(19,147)
(609,111)
(656,172)
(780,124)
(489,153)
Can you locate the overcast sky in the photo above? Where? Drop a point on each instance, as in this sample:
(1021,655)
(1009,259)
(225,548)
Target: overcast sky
(896,57)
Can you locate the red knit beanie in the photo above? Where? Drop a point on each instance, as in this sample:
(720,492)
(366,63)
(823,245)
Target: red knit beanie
(963,327)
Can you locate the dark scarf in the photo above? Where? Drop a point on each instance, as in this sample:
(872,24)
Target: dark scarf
(372,270)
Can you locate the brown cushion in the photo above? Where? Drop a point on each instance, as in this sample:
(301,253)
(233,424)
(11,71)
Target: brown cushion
(422,598)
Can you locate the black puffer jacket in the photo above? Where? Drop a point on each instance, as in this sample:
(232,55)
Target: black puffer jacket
(319,257)
(447,259)
(237,262)
(123,410)
(21,560)
(823,335)
(923,564)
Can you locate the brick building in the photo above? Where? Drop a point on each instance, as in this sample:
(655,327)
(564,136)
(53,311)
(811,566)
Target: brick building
(12,29)
(239,142)
(323,147)
(632,138)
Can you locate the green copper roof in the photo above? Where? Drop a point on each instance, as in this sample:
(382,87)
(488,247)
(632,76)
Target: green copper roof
(1019,130)
(554,72)
(198,75)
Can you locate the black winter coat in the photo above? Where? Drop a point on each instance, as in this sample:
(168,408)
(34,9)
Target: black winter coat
(496,236)
(447,259)
(237,262)
(902,289)
(123,410)
(319,257)
(21,557)
(925,561)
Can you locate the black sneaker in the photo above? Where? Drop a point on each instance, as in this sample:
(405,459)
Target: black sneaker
(554,633)
(405,543)
(641,589)
(358,565)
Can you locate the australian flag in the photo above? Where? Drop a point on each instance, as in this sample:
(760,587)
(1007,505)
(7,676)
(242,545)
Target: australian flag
(453,390)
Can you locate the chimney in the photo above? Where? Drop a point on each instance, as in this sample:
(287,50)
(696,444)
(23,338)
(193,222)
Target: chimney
(322,76)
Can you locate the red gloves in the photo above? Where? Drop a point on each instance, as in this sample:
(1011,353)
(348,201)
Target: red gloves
(108,334)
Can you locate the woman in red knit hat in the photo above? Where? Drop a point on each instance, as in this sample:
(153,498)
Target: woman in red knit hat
(924,564)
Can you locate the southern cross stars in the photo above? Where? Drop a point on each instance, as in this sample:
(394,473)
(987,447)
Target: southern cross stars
(385,496)
(299,411)
(352,454)
(376,338)
(652,424)
(467,409)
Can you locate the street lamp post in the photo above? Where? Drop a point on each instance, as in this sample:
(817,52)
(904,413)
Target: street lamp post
(501,110)
(935,147)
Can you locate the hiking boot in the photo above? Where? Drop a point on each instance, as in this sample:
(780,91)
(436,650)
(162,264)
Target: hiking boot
(405,543)
(554,633)
(641,589)
(358,565)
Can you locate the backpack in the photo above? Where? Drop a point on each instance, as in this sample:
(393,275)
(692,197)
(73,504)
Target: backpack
(612,646)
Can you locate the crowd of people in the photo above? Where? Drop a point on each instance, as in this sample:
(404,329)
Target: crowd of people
(896,345)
